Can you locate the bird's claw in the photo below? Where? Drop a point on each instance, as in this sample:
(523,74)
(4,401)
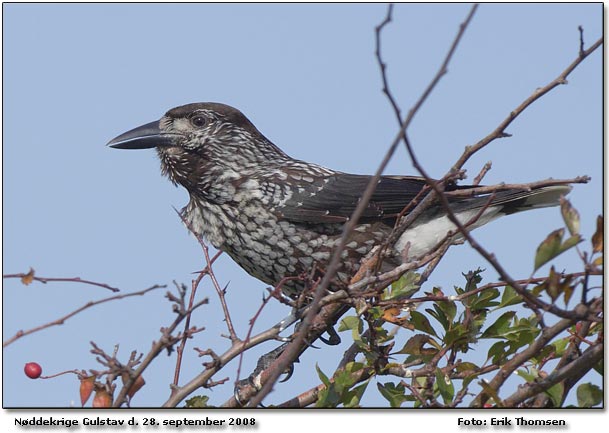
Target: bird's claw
(334,338)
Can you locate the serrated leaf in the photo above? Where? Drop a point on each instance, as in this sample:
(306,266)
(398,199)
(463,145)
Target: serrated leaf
(439,315)
(589,395)
(597,237)
(449,308)
(500,327)
(395,394)
(473,278)
(404,287)
(510,297)
(198,401)
(353,323)
(421,323)
(570,216)
(484,299)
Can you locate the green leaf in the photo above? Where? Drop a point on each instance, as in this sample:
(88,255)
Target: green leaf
(553,246)
(395,394)
(473,278)
(445,386)
(553,287)
(439,315)
(510,297)
(324,379)
(560,345)
(500,327)
(404,287)
(353,397)
(353,323)
(570,216)
(455,334)
(570,243)
(414,345)
(555,393)
(421,323)
(484,299)
(449,308)
(197,401)
(497,352)
(529,377)
(350,323)
(589,395)
(466,366)
(549,248)
(491,392)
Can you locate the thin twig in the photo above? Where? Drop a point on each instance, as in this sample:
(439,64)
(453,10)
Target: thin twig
(166,341)
(45,280)
(293,348)
(89,304)
(221,292)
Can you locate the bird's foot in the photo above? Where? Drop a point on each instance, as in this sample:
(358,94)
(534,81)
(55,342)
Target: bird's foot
(255,379)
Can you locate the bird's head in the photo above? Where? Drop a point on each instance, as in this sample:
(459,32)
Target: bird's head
(194,139)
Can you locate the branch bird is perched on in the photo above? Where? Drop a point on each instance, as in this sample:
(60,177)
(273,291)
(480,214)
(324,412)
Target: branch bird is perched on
(277,216)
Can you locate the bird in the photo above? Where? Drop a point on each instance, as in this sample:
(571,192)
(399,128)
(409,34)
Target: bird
(278,217)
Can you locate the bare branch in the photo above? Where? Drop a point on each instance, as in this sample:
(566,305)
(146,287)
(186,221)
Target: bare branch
(577,368)
(293,348)
(166,341)
(89,304)
(44,280)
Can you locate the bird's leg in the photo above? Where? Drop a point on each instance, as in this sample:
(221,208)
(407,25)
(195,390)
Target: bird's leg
(264,362)
(333,338)
(288,321)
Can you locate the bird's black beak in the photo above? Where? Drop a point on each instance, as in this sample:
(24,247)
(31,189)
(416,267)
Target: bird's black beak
(143,137)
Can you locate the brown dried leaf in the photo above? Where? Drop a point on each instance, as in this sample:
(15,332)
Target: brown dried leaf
(391,315)
(570,216)
(86,389)
(135,387)
(102,398)
(597,238)
(28,278)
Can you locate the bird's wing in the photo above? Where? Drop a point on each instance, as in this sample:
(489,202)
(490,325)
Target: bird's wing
(333,198)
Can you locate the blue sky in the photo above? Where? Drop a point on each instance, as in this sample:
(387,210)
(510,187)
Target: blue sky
(76,76)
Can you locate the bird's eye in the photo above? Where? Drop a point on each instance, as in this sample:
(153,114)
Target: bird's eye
(198,121)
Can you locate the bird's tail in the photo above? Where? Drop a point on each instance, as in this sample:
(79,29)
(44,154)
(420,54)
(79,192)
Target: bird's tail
(517,201)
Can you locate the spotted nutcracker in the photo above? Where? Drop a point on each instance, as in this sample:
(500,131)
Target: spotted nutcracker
(277,216)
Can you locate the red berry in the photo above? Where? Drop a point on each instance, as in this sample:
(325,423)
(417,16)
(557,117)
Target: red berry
(33,370)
